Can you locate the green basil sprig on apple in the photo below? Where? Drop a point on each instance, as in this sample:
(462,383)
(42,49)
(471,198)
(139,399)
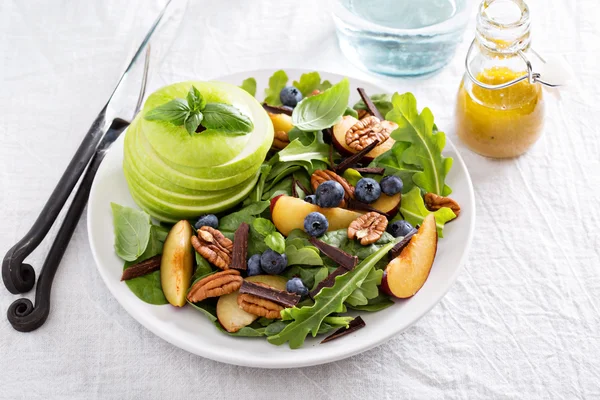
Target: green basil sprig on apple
(195,111)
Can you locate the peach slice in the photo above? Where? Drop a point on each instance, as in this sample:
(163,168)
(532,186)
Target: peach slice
(407,273)
(288,213)
(281,122)
(339,140)
(229,313)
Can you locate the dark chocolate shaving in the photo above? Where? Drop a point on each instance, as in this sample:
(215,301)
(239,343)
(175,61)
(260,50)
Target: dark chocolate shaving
(303,188)
(240,247)
(331,164)
(278,109)
(280,297)
(294,191)
(355,158)
(353,326)
(328,282)
(327,135)
(339,256)
(370,106)
(397,249)
(143,268)
(371,170)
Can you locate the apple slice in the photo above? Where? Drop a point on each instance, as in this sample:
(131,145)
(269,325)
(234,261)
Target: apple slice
(407,273)
(231,316)
(288,213)
(177,263)
(339,139)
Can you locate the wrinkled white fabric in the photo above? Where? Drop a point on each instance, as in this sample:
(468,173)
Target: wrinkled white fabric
(521,322)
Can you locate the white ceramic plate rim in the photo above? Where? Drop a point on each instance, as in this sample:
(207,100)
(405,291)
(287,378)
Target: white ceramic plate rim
(253,353)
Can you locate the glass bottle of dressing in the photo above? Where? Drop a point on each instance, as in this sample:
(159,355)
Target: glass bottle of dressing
(500,106)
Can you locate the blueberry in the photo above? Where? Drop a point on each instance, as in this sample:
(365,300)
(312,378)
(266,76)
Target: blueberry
(207,220)
(254,265)
(315,224)
(272,262)
(367,190)
(391,185)
(311,198)
(399,228)
(295,285)
(329,194)
(290,96)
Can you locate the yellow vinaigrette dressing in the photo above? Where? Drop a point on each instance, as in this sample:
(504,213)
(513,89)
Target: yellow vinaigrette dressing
(500,105)
(499,123)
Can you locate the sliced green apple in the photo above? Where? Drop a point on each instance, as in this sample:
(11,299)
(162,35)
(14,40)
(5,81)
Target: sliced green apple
(229,313)
(288,213)
(177,263)
(407,273)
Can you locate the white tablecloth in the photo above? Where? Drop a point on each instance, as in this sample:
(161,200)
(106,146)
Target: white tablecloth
(522,321)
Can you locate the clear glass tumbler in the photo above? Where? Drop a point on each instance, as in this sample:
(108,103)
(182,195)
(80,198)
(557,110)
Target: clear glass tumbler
(400,37)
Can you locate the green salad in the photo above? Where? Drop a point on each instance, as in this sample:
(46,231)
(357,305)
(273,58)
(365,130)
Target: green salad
(284,217)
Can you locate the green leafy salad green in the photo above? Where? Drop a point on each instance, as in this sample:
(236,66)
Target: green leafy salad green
(336,296)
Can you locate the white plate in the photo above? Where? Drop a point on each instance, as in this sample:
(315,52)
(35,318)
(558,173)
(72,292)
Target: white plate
(192,331)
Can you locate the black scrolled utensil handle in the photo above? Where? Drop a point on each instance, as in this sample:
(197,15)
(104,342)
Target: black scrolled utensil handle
(19,277)
(22,314)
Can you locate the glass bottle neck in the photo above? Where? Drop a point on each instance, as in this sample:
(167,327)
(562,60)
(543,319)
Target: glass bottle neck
(503,27)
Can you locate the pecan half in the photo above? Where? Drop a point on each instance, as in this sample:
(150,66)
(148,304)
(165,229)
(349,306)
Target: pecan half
(257,306)
(215,285)
(367,228)
(368,130)
(213,246)
(433,202)
(323,175)
(362,114)
(280,140)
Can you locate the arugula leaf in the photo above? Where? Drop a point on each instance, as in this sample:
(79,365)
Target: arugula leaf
(276,242)
(382,101)
(309,82)
(249,85)
(392,161)
(175,111)
(276,82)
(378,303)
(426,144)
(351,111)
(323,110)
(227,118)
(148,287)
(369,289)
(320,276)
(412,207)
(132,231)
(329,300)
(257,192)
(296,151)
(195,100)
(284,186)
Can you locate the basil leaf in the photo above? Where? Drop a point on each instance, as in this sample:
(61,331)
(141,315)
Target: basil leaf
(193,122)
(132,231)
(276,242)
(176,112)
(195,100)
(276,83)
(249,85)
(263,226)
(323,110)
(226,118)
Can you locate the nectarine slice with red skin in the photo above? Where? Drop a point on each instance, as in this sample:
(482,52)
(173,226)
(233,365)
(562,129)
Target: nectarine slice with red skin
(406,274)
(388,205)
(339,140)
(288,213)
